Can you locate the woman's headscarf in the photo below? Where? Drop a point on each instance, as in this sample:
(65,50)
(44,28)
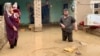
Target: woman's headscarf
(7,8)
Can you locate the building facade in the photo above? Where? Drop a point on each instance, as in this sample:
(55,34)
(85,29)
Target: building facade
(85,7)
(77,8)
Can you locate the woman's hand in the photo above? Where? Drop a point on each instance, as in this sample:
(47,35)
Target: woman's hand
(19,21)
(17,15)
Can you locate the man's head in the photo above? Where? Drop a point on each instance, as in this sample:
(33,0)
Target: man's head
(66,12)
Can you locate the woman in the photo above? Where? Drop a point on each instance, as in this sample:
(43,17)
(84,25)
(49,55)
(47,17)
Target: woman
(11,25)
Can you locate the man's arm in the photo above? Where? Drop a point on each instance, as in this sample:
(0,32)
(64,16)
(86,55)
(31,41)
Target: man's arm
(61,23)
(74,23)
(75,26)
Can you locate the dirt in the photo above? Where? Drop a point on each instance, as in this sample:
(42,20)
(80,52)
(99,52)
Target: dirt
(49,43)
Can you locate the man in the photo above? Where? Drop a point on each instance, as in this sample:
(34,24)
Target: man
(31,13)
(67,24)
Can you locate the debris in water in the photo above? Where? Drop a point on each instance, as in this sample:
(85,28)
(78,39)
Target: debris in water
(70,49)
(78,53)
(83,43)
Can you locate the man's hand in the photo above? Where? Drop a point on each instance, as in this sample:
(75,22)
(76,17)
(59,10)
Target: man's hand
(76,29)
(75,26)
(63,26)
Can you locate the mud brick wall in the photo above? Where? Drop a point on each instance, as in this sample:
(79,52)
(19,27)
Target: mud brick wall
(3,39)
(82,9)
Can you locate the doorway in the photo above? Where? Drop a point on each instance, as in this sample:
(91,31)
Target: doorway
(31,12)
(45,12)
(65,6)
(1,10)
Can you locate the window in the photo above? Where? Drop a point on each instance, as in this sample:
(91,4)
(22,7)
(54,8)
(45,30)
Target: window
(95,7)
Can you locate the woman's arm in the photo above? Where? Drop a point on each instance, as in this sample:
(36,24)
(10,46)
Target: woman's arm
(8,21)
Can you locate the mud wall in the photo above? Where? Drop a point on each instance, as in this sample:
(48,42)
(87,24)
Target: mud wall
(3,39)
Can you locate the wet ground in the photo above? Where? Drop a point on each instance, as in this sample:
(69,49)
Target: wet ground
(49,43)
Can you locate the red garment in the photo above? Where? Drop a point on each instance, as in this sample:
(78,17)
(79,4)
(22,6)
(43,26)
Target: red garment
(91,27)
(11,34)
(81,23)
(94,27)
(17,11)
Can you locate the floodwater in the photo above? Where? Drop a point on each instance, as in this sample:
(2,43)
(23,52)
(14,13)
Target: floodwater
(49,43)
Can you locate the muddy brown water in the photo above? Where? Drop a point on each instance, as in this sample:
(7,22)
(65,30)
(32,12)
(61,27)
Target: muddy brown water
(49,43)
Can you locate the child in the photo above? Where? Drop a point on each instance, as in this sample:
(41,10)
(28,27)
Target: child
(67,24)
(16,12)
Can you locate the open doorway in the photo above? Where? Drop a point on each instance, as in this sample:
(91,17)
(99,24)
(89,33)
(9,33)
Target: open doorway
(45,12)
(1,10)
(31,12)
